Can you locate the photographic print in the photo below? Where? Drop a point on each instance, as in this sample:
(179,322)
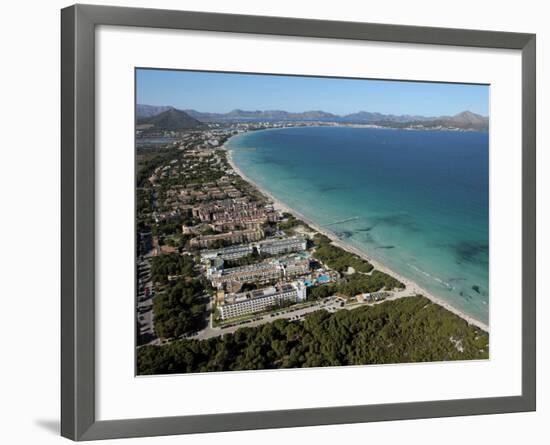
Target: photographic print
(287,221)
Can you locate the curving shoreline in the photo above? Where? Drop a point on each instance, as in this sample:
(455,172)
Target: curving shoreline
(411,288)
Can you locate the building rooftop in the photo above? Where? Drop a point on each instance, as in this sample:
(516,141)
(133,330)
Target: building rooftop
(259,293)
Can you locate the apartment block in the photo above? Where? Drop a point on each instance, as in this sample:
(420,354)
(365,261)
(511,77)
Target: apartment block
(260,300)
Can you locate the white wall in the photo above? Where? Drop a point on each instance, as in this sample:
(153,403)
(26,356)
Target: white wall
(29,104)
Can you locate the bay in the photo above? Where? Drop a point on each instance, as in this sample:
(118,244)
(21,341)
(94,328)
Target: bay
(417,201)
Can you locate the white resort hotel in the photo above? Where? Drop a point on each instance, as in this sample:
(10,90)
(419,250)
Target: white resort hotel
(273,246)
(280,268)
(246,303)
(260,272)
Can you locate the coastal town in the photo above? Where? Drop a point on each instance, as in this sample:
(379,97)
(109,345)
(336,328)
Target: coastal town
(285,236)
(215,254)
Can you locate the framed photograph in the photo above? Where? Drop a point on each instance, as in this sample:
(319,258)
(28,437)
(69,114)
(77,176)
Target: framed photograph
(274,222)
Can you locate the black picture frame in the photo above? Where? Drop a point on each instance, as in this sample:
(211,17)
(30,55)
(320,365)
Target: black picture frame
(78,419)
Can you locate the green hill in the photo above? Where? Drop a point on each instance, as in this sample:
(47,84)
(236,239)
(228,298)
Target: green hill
(172,119)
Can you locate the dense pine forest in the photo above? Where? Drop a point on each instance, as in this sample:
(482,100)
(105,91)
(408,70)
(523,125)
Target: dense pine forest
(405,330)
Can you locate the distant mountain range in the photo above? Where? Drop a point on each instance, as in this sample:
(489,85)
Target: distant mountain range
(165,115)
(314,115)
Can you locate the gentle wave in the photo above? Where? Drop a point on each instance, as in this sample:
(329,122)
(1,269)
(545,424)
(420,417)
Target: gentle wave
(426,274)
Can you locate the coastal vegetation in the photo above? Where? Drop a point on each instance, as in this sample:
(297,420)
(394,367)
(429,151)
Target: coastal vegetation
(356,283)
(337,258)
(144,207)
(290,222)
(163,266)
(150,159)
(400,331)
(179,309)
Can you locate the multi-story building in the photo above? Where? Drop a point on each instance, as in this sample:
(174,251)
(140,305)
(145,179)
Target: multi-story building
(283,268)
(231,211)
(260,272)
(294,266)
(279,246)
(206,212)
(259,300)
(234,237)
(226,226)
(274,246)
(228,253)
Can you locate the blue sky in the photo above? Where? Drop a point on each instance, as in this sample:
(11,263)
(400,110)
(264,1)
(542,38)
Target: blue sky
(223,92)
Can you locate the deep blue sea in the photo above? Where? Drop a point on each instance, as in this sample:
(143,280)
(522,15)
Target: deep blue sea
(418,201)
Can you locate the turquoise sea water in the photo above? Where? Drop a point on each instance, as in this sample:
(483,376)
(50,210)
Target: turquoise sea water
(417,201)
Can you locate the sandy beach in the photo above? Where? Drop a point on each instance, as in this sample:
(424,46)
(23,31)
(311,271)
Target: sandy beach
(411,288)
